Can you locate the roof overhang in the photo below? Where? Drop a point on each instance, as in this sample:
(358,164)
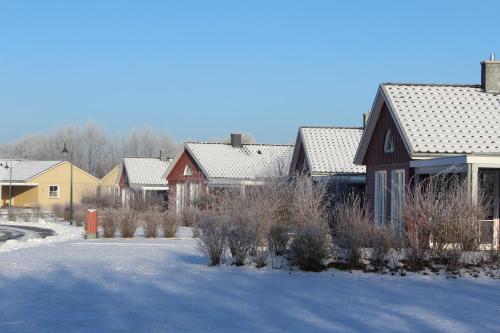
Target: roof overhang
(380,99)
(454,164)
(361,178)
(14,183)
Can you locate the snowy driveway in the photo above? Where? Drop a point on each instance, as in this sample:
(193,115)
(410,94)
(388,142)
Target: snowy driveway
(165,286)
(8,232)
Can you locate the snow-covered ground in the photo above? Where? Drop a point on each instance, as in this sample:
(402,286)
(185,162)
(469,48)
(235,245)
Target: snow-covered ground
(161,285)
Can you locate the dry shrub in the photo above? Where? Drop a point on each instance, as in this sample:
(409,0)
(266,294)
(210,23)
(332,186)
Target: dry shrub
(189,217)
(58,210)
(309,246)
(12,214)
(383,239)
(127,220)
(213,238)
(109,223)
(79,216)
(150,224)
(351,227)
(260,259)
(278,239)
(168,221)
(241,239)
(96,199)
(38,212)
(25,214)
(150,201)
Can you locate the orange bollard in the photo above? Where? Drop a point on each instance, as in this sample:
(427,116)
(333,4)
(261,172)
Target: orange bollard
(91,225)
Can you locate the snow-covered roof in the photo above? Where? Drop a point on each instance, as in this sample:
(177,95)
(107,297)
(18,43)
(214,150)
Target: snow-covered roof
(440,118)
(23,170)
(145,170)
(250,161)
(330,150)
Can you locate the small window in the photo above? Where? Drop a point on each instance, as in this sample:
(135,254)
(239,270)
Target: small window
(388,142)
(54,191)
(188,171)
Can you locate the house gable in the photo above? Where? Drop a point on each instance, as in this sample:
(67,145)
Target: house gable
(299,164)
(375,154)
(176,172)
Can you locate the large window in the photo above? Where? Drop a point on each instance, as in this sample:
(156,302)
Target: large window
(397,197)
(54,191)
(380,197)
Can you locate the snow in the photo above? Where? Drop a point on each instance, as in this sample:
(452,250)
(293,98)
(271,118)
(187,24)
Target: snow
(160,285)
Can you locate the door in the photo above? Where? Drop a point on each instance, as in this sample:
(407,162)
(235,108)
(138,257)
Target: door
(489,181)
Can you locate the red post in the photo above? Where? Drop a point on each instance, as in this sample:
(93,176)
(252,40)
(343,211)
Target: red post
(91,223)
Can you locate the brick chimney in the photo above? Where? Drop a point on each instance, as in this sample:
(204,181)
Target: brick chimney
(490,75)
(236,140)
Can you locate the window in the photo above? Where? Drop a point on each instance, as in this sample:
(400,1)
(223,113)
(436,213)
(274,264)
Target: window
(188,171)
(397,198)
(54,191)
(388,142)
(380,197)
(194,190)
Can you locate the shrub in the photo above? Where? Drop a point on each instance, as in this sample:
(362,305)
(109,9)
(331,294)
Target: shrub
(351,227)
(241,238)
(109,223)
(260,259)
(127,223)
(96,199)
(213,238)
(383,239)
(58,210)
(25,214)
(189,217)
(168,223)
(309,247)
(12,214)
(80,216)
(150,223)
(38,212)
(278,239)
(150,201)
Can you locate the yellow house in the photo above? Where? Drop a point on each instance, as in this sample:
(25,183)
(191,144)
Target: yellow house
(42,183)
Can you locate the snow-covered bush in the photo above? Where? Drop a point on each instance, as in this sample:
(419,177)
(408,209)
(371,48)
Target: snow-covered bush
(213,238)
(241,238)
(150,223)
(278,238)
(351,227)
(382,240)
(309,246)
(109,223)
(127,223)
(12,214)
(168,221)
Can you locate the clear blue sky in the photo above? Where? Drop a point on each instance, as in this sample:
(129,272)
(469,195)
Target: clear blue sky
(201,69)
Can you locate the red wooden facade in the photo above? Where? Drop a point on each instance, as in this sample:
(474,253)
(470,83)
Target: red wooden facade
(178,175)
(376,159)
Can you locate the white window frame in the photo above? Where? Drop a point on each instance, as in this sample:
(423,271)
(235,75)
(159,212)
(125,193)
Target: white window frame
(188,171)
(388,142)
(397,198)
(380,197)
(58,192)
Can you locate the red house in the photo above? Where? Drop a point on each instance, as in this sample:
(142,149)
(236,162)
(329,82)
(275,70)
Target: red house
(416,130)
(209,166)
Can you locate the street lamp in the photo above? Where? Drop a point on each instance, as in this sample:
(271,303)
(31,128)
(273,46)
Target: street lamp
(10,181)
(69,152)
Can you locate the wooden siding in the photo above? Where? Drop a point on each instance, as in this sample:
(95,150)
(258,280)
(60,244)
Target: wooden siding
(177,176)
(376,159)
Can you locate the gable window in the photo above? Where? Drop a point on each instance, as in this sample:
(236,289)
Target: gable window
(188,171)
(54,191)
(388,142)
(397,198)
(380,197)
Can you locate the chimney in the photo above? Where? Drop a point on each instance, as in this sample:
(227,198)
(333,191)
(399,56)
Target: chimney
(365,119)
(163,155)
(490,75)
(236,140)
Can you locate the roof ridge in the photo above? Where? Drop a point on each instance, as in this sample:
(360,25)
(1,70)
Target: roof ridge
(243,144)
(469,85)
(334,127)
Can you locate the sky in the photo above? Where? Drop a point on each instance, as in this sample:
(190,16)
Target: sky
(203,69)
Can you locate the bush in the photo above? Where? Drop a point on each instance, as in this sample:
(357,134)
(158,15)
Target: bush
(383,239)
(278,238)
(150,201)
(168,223)
(309,247)
(79,216)
(12,214)
(109,223)
(25,214)
(127,223)
(150,223)
(352,227)
(96,199)
(260,259)
(38,212)
(213,238)
(241,238)
(189,217)
(58,210)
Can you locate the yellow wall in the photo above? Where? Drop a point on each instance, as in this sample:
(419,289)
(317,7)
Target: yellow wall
(112,178)
(59,175)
